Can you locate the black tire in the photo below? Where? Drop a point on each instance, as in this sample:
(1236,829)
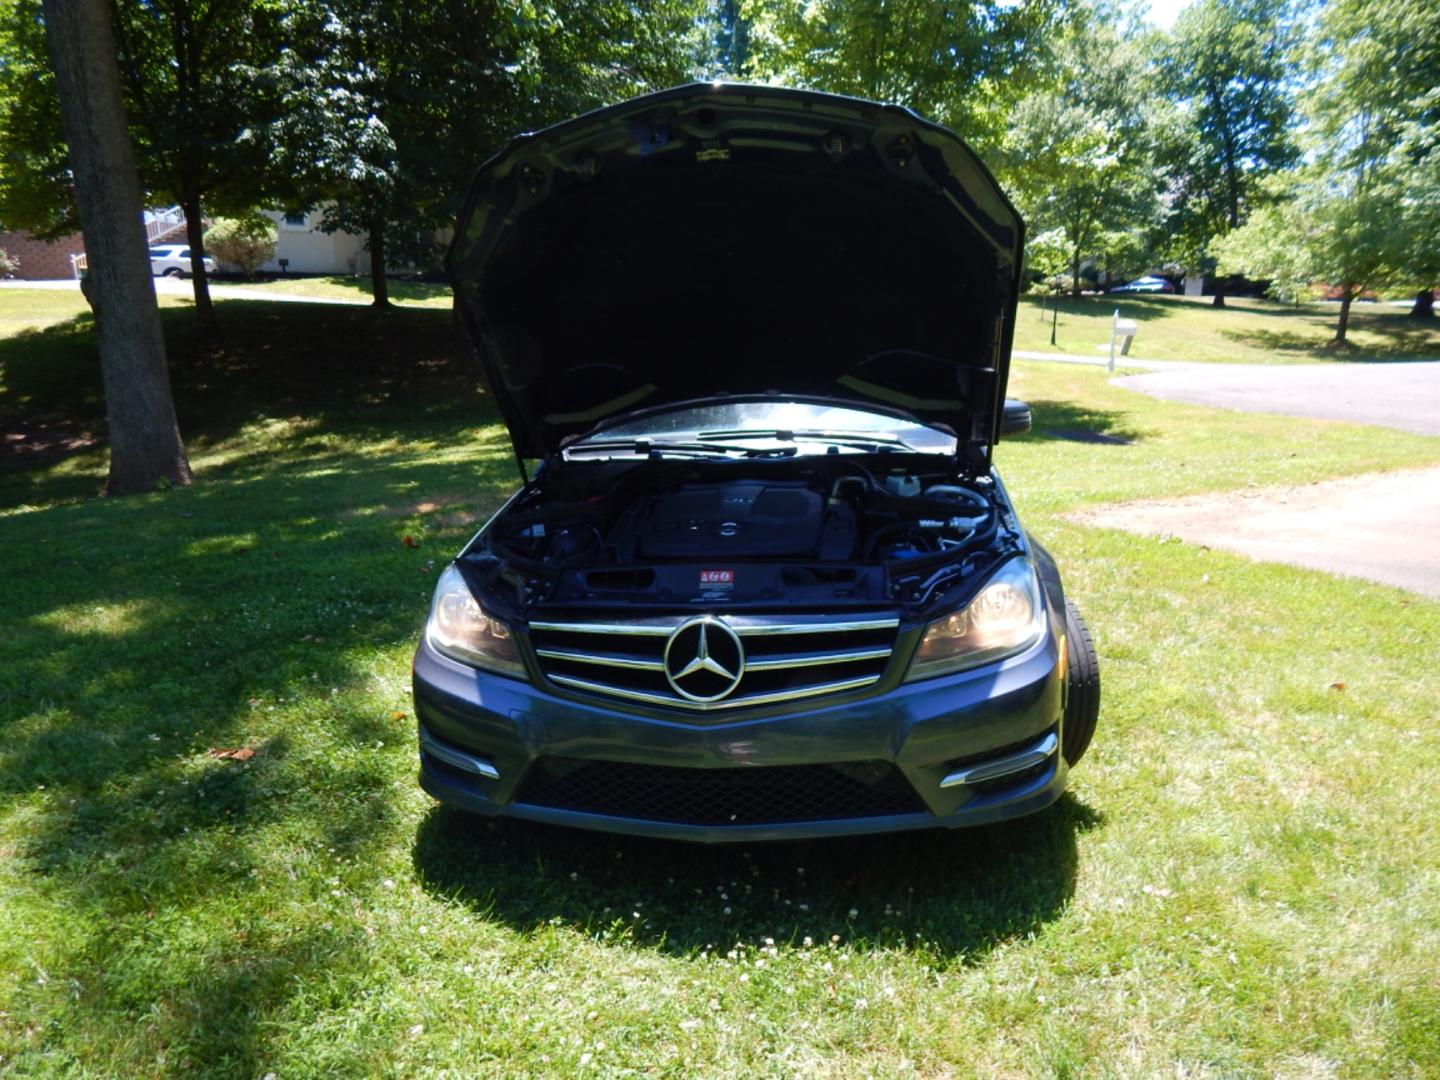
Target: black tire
(1082,701)
(174,271)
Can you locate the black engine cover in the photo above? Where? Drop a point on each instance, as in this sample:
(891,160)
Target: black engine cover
(746,519)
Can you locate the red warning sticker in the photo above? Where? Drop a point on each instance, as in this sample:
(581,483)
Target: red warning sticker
(717,579)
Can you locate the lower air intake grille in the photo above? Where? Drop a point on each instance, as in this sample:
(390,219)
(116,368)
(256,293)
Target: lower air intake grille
(755,795)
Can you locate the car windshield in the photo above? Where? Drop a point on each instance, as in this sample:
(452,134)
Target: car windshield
(788,428)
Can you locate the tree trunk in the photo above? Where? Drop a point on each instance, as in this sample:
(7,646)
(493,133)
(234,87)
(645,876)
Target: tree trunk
(1345,300)
(1424,305)
(1219,300)
(1075,273)
(145,446)
(379,285)
(195,237)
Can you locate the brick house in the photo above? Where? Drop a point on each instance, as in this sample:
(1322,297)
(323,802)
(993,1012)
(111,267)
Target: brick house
(42,259)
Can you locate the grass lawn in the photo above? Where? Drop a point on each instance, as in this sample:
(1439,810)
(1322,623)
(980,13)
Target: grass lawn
(1243,881)
(1245,331)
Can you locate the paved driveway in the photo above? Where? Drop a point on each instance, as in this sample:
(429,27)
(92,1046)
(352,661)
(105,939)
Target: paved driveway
(1381,527)
(1404,396)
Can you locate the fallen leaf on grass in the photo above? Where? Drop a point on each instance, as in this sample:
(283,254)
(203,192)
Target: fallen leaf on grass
(409,541)
(398,715)
(243,753)
(1337,686)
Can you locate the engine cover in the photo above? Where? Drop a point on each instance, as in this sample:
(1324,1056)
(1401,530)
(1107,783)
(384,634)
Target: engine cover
(746,519)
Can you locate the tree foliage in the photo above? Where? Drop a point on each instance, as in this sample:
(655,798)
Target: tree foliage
(199,96)
(1363,212)
(1226,66)
(35,183)
(389,107)
(962,65)
(1077,155)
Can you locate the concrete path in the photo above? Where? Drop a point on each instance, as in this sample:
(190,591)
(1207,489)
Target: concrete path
(1381,527)
(1397,395)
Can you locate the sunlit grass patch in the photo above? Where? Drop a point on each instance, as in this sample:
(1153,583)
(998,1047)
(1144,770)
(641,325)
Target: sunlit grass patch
(1246,330)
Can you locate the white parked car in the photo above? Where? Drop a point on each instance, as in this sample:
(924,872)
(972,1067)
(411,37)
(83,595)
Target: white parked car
(173,260)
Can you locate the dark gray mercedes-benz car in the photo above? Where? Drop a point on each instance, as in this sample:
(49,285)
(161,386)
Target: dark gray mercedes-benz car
(765,581)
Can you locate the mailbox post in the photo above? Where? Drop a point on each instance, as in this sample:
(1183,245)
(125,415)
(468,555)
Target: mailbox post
(1123,331)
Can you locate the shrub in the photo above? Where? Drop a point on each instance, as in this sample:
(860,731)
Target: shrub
(245,241)
(8,263)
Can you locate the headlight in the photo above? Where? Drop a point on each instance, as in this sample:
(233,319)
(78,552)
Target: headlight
(462,630)
(1005,618)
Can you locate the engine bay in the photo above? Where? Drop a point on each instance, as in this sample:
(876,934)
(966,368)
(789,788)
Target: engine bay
(847,530)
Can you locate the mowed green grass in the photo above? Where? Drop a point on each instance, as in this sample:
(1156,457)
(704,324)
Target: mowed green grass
(347,287)
(1246,331)
(1244,881)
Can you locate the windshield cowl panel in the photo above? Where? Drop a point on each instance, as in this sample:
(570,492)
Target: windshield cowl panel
(764,428)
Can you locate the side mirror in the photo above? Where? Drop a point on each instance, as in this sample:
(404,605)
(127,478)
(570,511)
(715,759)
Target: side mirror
(1015,420)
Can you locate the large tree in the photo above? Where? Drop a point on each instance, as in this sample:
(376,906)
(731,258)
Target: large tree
(1323,225)
(962,65)
(1077,156)
(145,447)
(1375,109)
(1227,67)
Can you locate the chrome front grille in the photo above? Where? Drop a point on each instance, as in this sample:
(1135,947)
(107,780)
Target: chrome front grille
(716,662)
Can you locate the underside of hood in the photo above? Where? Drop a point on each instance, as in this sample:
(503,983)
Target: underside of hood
(738,240)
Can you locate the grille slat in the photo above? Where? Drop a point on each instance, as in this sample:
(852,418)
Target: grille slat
(605,659)
(784,657)
(743,795)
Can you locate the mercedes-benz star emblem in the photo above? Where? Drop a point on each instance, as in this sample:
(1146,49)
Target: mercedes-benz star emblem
(704,659)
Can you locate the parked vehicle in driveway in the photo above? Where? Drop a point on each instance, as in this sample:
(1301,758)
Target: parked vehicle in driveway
(173,260)
(766,581)
(1145,285)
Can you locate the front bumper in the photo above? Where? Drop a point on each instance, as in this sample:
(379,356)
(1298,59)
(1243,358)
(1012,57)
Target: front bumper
(976,747)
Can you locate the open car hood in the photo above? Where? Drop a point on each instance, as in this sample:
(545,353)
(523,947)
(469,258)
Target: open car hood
(739,240)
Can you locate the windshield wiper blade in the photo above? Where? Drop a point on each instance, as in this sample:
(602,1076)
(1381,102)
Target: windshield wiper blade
(878,442)
(652,447)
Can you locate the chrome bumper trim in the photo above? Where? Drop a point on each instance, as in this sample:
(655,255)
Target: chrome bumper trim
(457,758)
(998,767)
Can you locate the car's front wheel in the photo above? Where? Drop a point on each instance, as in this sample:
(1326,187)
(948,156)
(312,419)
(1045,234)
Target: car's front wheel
(1082,700)
(173,271)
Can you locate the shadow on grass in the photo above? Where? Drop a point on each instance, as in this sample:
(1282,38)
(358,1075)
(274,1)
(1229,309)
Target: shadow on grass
(144,633)
(344,371)
(1402,340)
(50,369)
(1064,420)
(952,894)
(1139,308)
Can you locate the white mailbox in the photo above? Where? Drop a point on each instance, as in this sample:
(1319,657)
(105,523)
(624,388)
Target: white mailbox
(1123,331)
